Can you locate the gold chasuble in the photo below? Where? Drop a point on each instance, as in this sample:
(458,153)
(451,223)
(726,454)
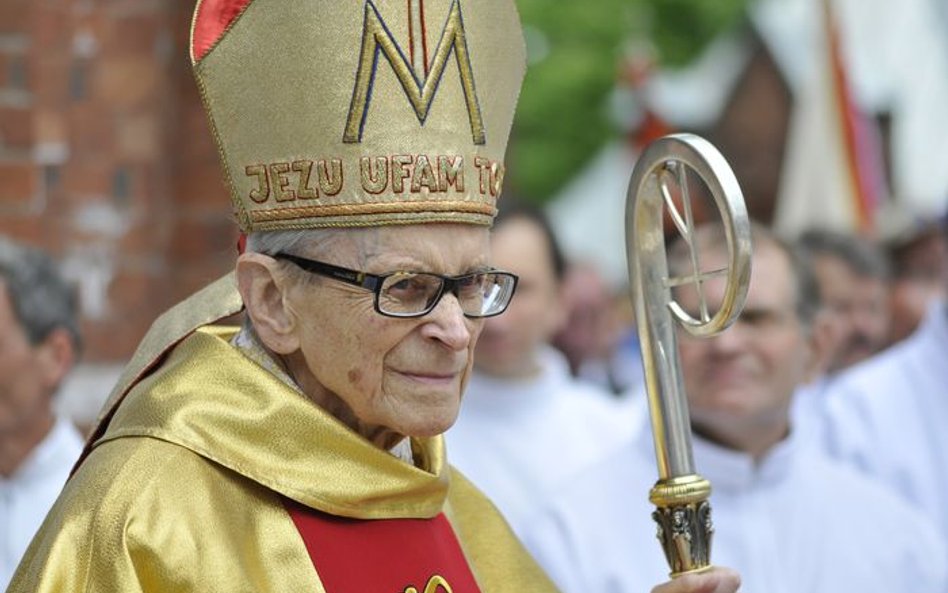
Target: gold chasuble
(214,475)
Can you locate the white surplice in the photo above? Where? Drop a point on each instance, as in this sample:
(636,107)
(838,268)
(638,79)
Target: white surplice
(521,440)
(796,521)
(27,495)
(888,416)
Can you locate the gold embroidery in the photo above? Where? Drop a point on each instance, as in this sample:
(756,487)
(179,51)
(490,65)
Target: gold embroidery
(330,183)
(374,179)
(459,207)
(400,171)
(451,169)
(309,179)
(491,175)
(261,193)
(435,583)
(424,175)
(421,93)
(304,191)
(281,182)
(496,177)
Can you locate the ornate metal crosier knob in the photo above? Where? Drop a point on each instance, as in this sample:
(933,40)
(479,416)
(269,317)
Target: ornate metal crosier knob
(680,495)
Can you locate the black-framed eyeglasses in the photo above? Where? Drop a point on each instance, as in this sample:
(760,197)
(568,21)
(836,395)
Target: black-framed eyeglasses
(414,294)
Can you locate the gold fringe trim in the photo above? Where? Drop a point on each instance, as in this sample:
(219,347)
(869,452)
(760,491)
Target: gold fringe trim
(456,206)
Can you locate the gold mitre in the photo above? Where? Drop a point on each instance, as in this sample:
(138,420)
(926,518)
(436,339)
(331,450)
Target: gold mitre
(333,113)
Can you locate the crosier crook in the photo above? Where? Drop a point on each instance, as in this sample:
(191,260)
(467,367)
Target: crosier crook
(683,513)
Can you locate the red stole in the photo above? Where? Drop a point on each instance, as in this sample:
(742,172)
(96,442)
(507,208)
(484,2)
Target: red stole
(383,556)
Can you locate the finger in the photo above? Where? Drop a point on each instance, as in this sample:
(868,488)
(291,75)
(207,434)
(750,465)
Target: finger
(716,580)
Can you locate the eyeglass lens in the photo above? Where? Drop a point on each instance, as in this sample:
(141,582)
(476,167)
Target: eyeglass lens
(479,294)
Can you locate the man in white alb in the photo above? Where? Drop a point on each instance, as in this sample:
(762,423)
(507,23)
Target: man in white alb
(39,342)
(786,516)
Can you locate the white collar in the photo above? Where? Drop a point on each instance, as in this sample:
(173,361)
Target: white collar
(734,471)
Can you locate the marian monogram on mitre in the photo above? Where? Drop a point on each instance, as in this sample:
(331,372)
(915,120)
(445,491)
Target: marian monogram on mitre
(420,73)
(418,76)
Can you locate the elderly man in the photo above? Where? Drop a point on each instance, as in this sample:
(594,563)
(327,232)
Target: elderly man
(39,342)
(363,147)
(785,515)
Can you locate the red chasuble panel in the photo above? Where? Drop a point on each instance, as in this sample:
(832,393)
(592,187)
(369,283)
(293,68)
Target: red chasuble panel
(384,556)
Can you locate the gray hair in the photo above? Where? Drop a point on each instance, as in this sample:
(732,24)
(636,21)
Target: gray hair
(292,241)
(41,298)
(865,258)
(712,237)
(315,242)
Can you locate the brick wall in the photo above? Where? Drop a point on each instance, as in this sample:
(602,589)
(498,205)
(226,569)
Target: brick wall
(106,159)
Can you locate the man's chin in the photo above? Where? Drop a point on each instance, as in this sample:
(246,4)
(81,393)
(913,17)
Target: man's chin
(725,404)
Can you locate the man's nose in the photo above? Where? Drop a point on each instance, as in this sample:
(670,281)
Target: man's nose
(732,339)
(448,324)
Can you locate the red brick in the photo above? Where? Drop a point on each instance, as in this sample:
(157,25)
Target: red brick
(201,189)
(135,35)
(193,139)
(50,83)
(122,9)
(16,128)
(52,26)
(147,236)
(57,230)
(49,126)
(115,339)
(187,281)
(207,238)
(17,185)
(27,228)
(128,81)
(15,16)
(82,179)
(138,137)
(92,129)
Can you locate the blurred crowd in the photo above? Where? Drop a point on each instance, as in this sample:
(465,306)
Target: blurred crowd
(818,416)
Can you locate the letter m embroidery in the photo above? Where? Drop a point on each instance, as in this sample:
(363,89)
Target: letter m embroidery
(376,39)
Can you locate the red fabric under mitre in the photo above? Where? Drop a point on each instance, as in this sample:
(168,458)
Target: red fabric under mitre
(213,19)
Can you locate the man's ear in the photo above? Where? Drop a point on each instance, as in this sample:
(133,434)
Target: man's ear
(263,288)
(57,355)
(821,342)
(559,310)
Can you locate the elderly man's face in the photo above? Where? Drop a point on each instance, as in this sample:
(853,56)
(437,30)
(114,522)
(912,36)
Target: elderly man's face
(26,382)
(742,380)
(389,376)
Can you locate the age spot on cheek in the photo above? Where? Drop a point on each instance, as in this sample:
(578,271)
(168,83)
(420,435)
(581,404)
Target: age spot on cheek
(354,375)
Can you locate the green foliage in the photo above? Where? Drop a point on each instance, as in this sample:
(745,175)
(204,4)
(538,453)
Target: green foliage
(576,51)
(682,28)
